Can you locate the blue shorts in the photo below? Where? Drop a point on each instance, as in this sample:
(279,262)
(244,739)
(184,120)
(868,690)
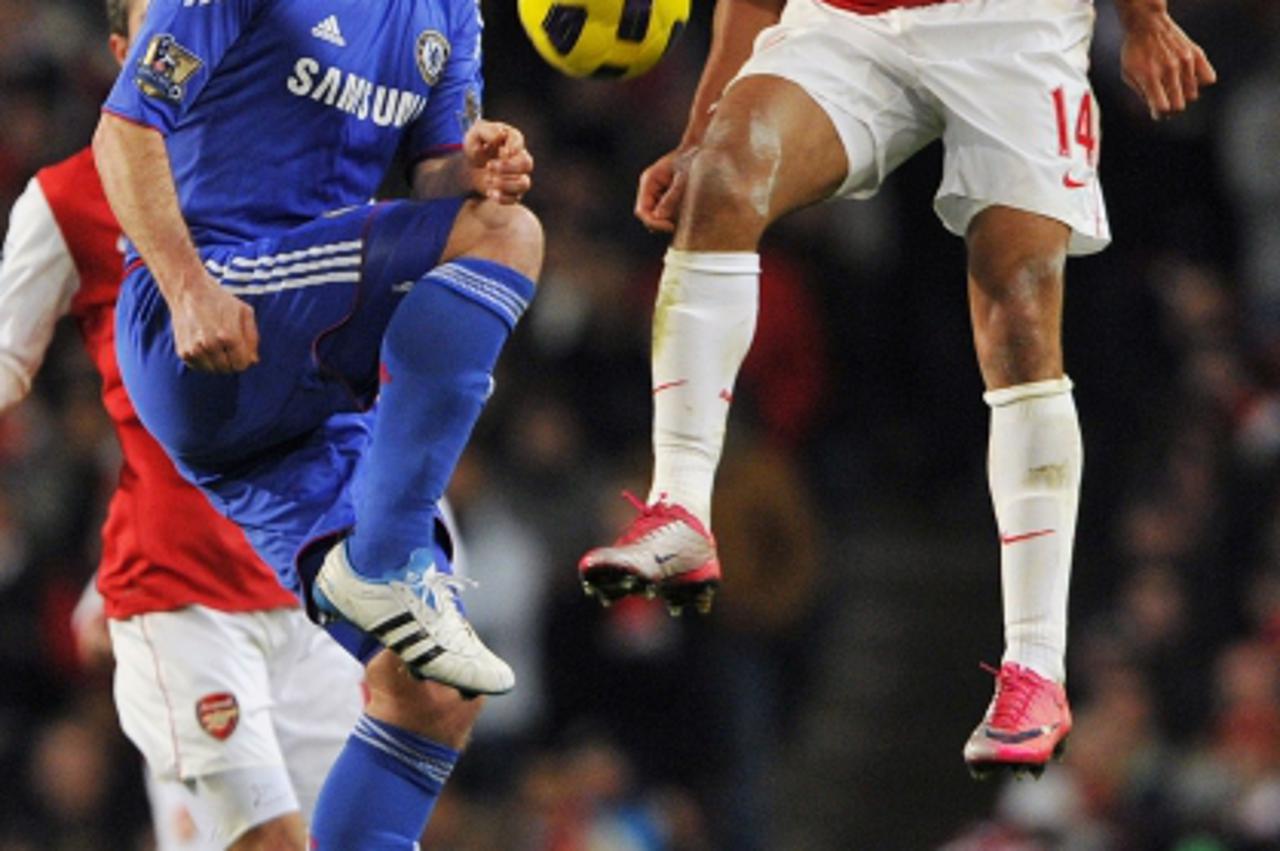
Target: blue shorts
(278,446)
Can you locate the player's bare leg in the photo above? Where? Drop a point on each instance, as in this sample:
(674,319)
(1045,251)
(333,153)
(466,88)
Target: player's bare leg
(1016,262)
(770,149)
(429,709)
(503,233)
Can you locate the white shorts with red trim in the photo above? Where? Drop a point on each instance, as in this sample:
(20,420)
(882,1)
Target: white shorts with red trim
(202,692)
(1003,83)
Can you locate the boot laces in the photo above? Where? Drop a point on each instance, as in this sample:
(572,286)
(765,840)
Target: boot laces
(656,514)
(1015,689)
(432,586)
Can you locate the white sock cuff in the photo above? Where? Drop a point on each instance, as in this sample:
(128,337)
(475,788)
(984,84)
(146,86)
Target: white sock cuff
(1032,390)
(714,262)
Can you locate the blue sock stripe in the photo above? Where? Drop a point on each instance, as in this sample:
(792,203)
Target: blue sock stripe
(501,273)
(433,773)
(506,293)
(411,741)
(483,289)
(381,790)
(431,760)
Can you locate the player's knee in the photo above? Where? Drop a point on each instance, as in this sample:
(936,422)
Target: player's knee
(1025,286)
(285,833)
(728,181)
(429,709)
(1017,324)
(505,233)
(1017,260)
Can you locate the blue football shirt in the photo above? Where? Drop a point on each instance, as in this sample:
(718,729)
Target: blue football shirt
(278,111)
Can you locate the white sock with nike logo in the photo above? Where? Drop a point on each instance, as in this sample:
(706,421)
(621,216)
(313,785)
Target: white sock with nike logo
(1034,461)
(703,324)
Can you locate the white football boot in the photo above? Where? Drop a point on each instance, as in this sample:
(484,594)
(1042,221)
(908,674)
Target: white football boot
(417,618)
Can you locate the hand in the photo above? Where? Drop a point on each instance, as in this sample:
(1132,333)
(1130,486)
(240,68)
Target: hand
(1163,65)
(661,190)
(213,331)
(499,162)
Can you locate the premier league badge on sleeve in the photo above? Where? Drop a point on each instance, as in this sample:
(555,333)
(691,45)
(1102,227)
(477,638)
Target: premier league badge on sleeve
(165,68)
(432,52)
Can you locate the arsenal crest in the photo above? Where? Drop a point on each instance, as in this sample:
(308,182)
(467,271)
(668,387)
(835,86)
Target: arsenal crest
(218,714)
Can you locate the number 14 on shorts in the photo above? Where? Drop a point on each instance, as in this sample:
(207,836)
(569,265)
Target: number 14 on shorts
(1085,133)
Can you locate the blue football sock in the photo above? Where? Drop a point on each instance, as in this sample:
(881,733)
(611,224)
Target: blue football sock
(381,790)
(438,355)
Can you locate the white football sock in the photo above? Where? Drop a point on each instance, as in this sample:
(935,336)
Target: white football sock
(1034,462)
(703,322)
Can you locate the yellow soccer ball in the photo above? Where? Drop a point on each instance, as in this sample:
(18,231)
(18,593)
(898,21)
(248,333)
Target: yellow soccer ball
(603,38)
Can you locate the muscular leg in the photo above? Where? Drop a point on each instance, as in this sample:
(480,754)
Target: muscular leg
(429,709)
(770,150)
(1016,262)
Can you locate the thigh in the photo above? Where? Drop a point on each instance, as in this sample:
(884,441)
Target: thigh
(1022,123)
(401,242)
(322,295)
(192,691)
(319,693)
(858,75)
(298,285)
(293,499)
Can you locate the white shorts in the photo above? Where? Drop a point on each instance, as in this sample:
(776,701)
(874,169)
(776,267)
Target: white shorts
(1003,83)
(202,693)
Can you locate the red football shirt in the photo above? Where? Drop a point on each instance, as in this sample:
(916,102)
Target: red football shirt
(163,545)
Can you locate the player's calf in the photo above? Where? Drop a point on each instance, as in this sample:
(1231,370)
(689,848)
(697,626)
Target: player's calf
(427,708)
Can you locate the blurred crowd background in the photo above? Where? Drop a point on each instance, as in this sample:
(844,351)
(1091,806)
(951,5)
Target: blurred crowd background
(824,703)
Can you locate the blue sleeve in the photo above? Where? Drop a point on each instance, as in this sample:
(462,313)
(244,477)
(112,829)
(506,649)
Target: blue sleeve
(179,46)
(457,87)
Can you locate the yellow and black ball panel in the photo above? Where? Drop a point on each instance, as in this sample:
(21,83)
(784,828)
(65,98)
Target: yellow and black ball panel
(603,38)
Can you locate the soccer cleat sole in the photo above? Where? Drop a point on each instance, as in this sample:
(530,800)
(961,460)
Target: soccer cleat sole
(698,594)
(610,584)
(1019,770)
